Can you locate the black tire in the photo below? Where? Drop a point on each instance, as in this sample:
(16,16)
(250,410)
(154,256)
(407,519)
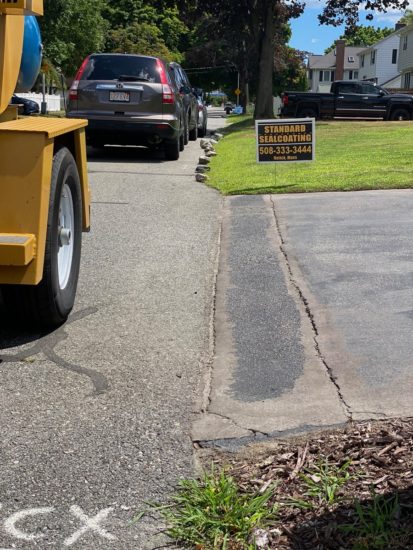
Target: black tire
(202,132)
(307,112)
(172,149)
(400,114)
(49,303)
(193,134)
(182,139)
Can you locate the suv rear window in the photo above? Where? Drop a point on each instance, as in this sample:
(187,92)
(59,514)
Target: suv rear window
(111,67)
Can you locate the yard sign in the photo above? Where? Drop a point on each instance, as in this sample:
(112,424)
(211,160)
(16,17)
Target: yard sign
(282,140)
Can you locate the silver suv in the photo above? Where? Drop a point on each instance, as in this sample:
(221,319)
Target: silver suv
(129,100)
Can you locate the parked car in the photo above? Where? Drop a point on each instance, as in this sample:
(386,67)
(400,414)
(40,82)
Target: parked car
(29,107)
(348,98)
(202,117)
(129,99)
(189,100)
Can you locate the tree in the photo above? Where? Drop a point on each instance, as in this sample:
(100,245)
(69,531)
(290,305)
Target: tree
(362,36)
(407,17)
(71,30)
(139,26)
(258,24)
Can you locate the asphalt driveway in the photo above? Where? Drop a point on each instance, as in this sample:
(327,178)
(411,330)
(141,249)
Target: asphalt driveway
(314,314)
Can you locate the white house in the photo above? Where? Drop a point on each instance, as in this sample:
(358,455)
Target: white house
(342,63)
(378,62)
(405,63)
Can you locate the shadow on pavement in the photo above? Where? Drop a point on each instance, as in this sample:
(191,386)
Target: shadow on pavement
(125,154)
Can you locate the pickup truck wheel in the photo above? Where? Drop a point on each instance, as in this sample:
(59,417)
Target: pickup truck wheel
(400,114)
(307,112)
(49,303)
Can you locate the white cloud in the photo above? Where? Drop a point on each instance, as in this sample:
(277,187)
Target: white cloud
(315,40)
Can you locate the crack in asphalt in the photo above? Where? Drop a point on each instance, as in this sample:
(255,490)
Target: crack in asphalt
(47,344)
(329,370)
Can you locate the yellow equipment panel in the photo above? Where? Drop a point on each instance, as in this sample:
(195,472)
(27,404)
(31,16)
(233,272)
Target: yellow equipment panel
(26,157)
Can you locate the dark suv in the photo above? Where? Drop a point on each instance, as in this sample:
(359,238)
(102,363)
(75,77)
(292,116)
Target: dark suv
(129,100)
(189,100)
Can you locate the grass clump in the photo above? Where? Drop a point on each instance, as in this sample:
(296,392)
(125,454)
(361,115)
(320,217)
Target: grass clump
(324,480)
(214,514)
(376,525)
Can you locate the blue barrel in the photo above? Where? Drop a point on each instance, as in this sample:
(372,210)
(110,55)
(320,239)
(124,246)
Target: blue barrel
(32,55)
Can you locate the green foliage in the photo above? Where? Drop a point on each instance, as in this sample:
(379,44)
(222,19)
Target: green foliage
(324,480)
(376,525)
(363,36)
(213,513)
(290,72)
(140,27)
(71,30)
(407,18)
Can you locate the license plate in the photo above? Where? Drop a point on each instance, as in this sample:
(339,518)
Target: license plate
(119,96)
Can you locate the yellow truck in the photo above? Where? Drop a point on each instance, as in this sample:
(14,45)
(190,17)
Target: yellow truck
(44,194)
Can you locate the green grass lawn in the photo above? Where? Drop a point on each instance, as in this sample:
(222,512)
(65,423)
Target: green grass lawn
(349,156)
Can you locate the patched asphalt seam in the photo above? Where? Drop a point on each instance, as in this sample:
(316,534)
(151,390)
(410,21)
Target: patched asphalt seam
(303,299)
(209,364)
(236,443)
(46,345)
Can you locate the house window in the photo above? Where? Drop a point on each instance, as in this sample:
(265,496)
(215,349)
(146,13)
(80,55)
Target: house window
(362,60)
(356,75)
(310,74)
(326,76)
(351,59)
(373,57)
(405,42)
(332,76)
(394,57)
(406,81)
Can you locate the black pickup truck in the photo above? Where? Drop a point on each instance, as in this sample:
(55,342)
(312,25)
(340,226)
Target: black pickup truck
(348,99)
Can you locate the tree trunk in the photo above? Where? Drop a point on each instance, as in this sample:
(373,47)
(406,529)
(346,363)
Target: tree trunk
(264,104)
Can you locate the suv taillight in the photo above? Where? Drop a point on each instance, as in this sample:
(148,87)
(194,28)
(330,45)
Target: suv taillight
(75,83)
(285,99)
(168,95)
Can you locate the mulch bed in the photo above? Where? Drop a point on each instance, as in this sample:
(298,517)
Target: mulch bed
(381,460)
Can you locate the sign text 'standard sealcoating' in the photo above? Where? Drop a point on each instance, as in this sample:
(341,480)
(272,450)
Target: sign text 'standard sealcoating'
(281,140)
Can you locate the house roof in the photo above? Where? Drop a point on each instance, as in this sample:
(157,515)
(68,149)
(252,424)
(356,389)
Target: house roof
(328,61)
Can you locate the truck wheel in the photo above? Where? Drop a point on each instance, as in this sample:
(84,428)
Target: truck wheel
(307,112)
(400,114)
(49,303)
(172,150)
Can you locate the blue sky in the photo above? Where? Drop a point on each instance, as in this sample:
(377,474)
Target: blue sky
(309,36)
